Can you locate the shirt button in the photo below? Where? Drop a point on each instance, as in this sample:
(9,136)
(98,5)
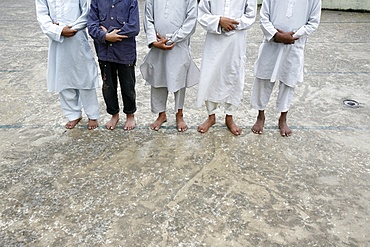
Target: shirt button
(112,6)
(112,18)
(110,44)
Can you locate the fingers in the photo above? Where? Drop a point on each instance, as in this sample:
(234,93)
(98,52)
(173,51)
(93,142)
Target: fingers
(120,37)
(228,24)
(114,37)
(232,25)
(229,28)
(73,32)
(162,44)
(170,47)
(68,32)
(164,41)
(167,47)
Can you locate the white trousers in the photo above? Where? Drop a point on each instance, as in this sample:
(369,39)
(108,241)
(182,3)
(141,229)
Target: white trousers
(159,99)
(72,101)
(212,108)
(261,93)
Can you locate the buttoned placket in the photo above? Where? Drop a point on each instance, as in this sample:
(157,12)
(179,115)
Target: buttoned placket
(112,18)
(289,11)
(166,10)
(227,8)
(58,10)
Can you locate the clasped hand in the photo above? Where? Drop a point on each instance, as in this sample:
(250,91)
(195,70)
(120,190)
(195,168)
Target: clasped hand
(228,24)
(284,37)
(113,36)
(67,31)
(161,43)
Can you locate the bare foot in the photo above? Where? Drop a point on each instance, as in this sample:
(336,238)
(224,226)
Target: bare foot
(93,124)
(257,128)
(130,122)
(235,129)
(283,126)
(285,131)
(111,125)
(181,125)
(156,125)
(73,123)
(204,127)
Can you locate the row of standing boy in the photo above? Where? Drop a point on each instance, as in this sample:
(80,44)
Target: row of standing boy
(168,66)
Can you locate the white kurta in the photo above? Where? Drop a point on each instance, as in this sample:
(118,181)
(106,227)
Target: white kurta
(277,61)
(224,54)
(174,68)
(70,61)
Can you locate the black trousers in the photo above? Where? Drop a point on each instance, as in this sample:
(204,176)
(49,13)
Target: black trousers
(111,72)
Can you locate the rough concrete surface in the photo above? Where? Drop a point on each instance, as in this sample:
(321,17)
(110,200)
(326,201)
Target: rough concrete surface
(78,187)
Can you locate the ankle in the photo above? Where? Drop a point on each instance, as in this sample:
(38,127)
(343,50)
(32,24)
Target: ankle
(212,117)
(229,118)
(130,116)
(282,121)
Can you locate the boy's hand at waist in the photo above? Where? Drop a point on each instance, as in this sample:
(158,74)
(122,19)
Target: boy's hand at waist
(228,24)
(113,36)
(67,31)
(284,37)
(161,43)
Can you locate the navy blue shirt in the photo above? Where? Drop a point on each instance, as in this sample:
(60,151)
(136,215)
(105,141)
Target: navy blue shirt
(122,15)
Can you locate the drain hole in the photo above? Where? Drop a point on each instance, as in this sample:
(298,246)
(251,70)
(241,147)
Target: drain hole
(351,103)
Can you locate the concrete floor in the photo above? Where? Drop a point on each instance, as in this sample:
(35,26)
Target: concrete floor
(145,188)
